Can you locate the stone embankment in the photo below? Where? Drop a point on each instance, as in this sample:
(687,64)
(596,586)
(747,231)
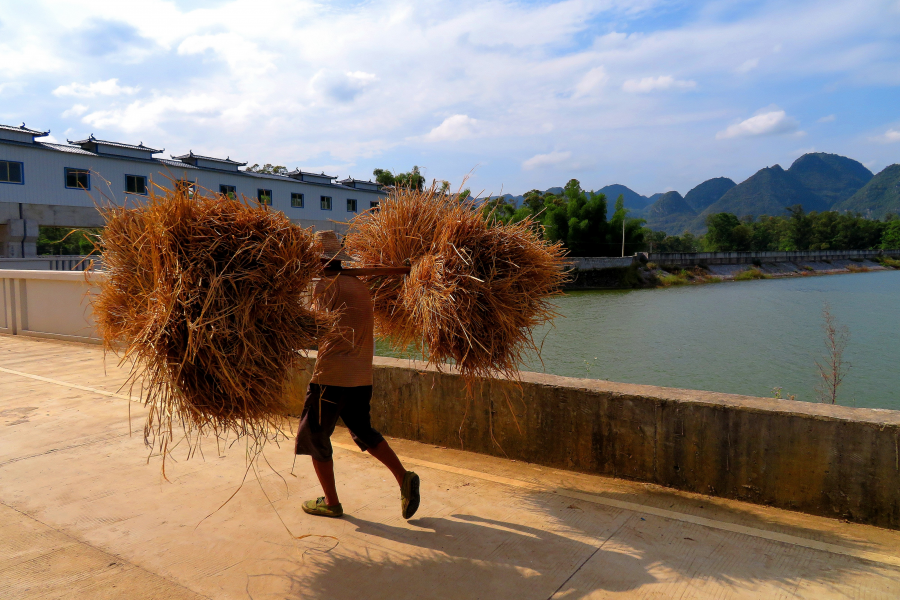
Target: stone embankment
(663,269)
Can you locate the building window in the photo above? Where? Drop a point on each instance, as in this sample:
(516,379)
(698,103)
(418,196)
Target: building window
(296,200)
(326,203)
(11,172)
(136,184)
(264,197)
(228,190)
(78,179)
(373,203)
(351,205)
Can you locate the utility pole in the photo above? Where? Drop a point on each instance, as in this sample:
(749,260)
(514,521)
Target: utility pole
(623,236)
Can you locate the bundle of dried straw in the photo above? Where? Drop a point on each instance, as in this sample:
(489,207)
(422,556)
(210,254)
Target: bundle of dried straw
(476,290)
(205,295)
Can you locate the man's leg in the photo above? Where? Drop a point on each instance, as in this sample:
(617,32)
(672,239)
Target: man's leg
(356,415)
(325,473)
(385,454)
(313,438)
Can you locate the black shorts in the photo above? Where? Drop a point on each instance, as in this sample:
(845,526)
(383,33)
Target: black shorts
(324,404)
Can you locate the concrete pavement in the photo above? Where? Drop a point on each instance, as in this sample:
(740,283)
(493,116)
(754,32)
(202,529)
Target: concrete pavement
(84,514)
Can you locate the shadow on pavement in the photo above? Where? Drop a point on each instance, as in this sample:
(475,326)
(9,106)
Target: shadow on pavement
(584,549)
(468,557)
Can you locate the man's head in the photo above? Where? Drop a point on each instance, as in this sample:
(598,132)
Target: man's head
(332,251)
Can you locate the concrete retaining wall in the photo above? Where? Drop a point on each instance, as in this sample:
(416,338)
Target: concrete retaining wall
(595,263)
(820,459)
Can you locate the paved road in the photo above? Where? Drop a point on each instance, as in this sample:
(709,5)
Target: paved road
(83,514)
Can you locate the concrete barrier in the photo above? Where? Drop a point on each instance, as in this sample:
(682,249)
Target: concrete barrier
(819,459)
(47,304)
(596,263)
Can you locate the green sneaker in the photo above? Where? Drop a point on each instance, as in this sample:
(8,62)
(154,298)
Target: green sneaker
(320,509)
(409,495)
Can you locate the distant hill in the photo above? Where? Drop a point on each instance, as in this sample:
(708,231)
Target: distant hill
(633,200)
(817,180)
(878,197)
(768,192)
(670,213)
(707,193)
(831,177)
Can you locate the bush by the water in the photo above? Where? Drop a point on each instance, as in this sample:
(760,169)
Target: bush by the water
(798,230)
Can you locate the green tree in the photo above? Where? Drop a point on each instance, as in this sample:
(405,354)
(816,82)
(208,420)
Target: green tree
(534,200)
(413,179)
(498,209)
(890,239)
(65,240)
(268,169)
(633,231)
(800,228)
(384,177)
(720,232)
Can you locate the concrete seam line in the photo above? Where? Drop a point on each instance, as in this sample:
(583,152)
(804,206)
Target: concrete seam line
(666,514)
(71,385)
(658,512)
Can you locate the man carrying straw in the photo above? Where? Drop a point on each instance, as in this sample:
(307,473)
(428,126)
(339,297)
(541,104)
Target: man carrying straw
(341,386)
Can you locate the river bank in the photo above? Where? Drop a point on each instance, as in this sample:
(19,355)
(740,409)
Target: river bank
(643,272)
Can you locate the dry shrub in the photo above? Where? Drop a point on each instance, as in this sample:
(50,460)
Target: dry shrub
(205,296)
(476,290)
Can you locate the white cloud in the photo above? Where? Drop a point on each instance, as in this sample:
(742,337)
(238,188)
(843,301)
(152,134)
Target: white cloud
(302,83)
(76,111)
(453,128)
(551,159)
(888,137)
(151,115)
(748,65)
(592,81)
(826,119)
(110,87)
(243,55)
(663,82)
(770,121)
(340,87)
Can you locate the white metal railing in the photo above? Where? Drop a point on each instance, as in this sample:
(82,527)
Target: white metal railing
(48,304)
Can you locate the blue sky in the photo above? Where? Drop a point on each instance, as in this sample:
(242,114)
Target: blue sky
(656,95)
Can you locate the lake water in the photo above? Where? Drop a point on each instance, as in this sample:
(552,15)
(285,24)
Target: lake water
(739,337)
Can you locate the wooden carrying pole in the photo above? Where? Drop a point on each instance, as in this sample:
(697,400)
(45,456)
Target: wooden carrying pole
(368,271)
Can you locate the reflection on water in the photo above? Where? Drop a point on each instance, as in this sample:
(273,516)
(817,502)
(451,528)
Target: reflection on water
(743,337)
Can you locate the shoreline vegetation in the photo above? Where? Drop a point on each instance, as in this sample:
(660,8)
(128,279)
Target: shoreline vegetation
(649,275)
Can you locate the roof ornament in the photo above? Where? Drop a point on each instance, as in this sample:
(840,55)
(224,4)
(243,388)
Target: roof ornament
(23,125)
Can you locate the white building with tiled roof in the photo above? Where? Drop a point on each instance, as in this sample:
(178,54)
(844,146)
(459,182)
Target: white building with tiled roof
(44,184)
